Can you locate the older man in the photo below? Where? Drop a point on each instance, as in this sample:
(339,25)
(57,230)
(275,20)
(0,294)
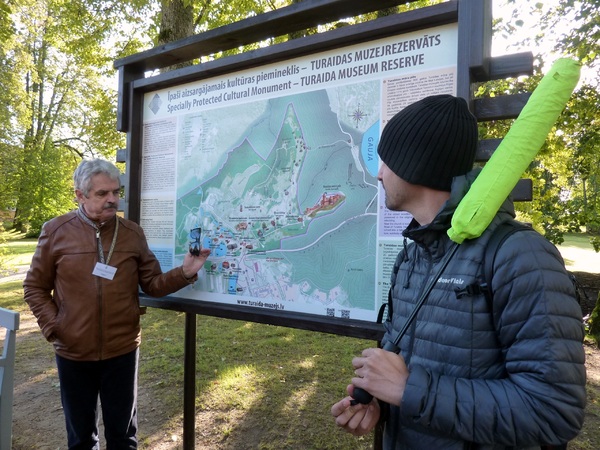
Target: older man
(82,287)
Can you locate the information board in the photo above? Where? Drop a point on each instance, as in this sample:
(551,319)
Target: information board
(278,166)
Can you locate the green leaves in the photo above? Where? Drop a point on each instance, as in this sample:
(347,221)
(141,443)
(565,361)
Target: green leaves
(59,108)
(566,172)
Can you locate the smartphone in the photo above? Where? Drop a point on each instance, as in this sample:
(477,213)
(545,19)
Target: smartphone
(195,241)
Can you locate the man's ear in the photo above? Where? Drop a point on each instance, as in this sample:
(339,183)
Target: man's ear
(79,195)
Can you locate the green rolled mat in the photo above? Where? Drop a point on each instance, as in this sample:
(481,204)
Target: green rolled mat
(516,151)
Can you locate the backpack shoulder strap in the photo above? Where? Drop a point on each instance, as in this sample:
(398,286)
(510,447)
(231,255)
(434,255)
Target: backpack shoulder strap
(500,234)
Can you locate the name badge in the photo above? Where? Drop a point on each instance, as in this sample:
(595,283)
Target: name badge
(104,271)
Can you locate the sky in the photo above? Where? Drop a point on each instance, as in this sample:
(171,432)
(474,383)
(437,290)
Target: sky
(501,9)
(508,45)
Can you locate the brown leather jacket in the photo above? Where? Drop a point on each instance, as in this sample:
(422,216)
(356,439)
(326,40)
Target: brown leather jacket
(86,317)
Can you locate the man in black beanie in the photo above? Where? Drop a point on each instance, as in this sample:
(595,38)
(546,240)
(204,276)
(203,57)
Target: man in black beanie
(481,366)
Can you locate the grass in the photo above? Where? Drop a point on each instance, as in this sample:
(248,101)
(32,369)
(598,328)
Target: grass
(278,380)
(273,386)
(11,296)
(579,240)
(15,250)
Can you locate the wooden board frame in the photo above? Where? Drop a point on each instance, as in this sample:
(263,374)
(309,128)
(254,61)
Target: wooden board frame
(475,64)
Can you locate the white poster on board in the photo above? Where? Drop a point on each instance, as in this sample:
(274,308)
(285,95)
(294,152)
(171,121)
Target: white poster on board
(278,167)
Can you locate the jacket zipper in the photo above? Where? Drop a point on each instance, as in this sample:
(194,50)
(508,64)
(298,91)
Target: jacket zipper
(413,327)
(99,290)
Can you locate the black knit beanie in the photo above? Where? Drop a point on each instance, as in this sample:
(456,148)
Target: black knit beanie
(430,141)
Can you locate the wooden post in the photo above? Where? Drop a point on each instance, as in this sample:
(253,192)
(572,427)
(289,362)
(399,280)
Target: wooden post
(189,383)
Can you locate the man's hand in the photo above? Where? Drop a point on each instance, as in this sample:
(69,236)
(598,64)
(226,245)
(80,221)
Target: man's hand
(356,419)
(192,264)
(381,373)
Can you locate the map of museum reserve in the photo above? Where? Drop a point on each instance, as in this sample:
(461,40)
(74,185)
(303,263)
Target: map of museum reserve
(288,203)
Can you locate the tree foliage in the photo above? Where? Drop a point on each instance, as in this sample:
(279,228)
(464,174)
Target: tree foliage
(581,41)
(565,173)
(60,107)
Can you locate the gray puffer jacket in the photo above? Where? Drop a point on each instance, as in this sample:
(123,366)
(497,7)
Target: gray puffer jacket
(509,373)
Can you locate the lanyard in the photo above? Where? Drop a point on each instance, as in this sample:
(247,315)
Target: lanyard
(112,245)
(87,220)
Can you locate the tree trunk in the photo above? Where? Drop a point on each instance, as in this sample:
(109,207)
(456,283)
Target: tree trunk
(176,22)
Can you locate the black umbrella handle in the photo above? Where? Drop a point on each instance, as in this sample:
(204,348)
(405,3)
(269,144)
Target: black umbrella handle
(360,395)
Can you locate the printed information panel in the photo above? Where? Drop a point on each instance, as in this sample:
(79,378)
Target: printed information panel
(278,166)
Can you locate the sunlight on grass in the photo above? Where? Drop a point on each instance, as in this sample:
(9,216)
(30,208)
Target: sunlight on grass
(308,363)
(15,250)
(578,253)
(581,241)
(11,296)
(236,387)
(299,399)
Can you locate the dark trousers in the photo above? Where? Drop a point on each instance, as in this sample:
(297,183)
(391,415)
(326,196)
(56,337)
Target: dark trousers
(114,381)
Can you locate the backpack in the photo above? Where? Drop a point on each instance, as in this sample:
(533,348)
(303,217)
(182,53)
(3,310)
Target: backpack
(501,233)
